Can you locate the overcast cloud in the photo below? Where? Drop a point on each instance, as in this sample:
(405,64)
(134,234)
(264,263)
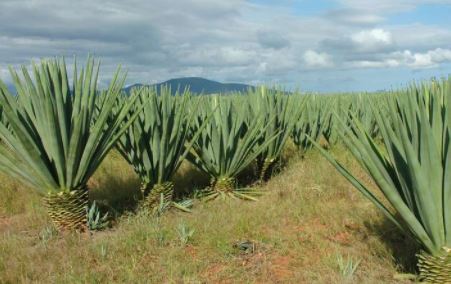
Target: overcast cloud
(315,45)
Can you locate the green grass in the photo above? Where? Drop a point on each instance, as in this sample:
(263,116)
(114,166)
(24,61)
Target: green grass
(308,216)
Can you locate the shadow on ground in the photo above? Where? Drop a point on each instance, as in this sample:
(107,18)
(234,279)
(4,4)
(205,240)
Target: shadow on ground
(402,246)
(118,194)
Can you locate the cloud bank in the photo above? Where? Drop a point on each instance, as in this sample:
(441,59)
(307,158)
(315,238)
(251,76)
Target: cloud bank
(335,48)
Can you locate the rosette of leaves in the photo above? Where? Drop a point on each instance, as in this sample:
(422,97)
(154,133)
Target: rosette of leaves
(156,144)
(310,124)
(411,168)
(55,140)
(280,113)
(227,144)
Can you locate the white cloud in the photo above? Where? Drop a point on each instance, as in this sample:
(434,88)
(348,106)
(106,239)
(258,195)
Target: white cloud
(354,17)
(273,40)
(428,59)
(213,56)
(440,55)
(389,6)
(315,59)
(420,36)
(372,37)
(376,64)
(360,43)
(407,58)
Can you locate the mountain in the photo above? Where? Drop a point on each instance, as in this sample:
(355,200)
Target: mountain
(197,85)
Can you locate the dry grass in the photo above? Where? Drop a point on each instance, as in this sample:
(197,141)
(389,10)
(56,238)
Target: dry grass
(308,216)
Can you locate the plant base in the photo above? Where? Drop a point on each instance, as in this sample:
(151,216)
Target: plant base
(159,197)
(223,184)
(68,209)
(435,269)
(226,188)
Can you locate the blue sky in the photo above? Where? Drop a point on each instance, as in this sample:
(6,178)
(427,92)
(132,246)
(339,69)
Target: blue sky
(324,46)
(430,14)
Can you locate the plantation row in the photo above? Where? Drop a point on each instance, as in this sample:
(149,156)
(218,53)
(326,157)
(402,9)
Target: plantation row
(54,135)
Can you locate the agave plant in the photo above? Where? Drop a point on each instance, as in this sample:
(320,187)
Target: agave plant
(280,113)
(412,170)
(227,145)
(362,107)
(330,132)
(156,143)
(95,220)
(310,124)
(55,141)
(2,116)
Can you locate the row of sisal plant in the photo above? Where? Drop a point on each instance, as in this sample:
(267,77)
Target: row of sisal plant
(410,162)
(317,120)
(221,135)
(58,133)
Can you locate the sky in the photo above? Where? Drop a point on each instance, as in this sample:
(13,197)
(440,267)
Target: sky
(311,45)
